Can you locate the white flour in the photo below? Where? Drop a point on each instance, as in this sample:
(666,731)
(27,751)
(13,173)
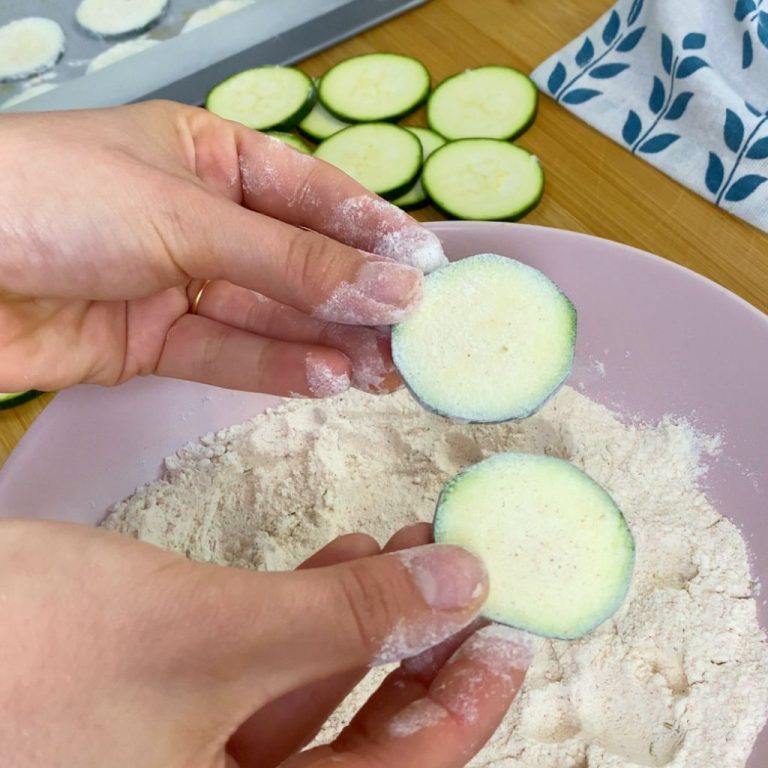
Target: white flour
(678,678)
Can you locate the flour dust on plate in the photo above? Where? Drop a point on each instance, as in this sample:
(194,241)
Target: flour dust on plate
(678,677)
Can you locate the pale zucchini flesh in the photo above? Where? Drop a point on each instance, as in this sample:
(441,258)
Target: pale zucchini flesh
(483,180)
(319,124)
(492,102)
(264,98)
(384,158)
(29,46)
(492,340)
(374,87)
(119,18)
(558,551)
(416,196)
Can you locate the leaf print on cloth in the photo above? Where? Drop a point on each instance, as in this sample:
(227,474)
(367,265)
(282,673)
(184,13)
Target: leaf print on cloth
(587,63)
(751,148)
(749,10)
(662,101)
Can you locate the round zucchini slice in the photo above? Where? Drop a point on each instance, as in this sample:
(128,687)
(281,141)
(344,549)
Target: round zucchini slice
(490,102)
(558,551)
(12,399)
(384,158)
(374,87)
(483,180)
(492,340)
(264,98)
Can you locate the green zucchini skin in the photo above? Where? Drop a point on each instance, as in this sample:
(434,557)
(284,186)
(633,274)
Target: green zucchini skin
(11,400)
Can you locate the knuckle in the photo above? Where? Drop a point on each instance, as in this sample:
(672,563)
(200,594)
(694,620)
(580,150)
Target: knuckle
(372,605)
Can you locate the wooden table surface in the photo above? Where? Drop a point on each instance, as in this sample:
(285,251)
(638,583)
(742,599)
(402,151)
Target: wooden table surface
(592,184)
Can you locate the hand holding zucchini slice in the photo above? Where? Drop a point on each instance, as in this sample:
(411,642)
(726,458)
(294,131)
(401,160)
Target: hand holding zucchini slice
(558,550)
(492,340)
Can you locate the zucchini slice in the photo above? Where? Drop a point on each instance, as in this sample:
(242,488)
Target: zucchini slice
(319,124)
(29,47)
(559,553)
(375,87)
(119,18)
(264,98)
(492,340)
(383,157)
(490,102)
(292,141)
(416,197)
(483,180)
(120,51)
(12,399)
(213,13)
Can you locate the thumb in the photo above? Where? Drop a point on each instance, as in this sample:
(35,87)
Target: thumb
(274,632)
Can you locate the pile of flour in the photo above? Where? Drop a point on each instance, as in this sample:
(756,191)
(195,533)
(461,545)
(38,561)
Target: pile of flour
(678,678)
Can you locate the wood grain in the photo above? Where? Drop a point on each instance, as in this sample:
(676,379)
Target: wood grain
(593,185)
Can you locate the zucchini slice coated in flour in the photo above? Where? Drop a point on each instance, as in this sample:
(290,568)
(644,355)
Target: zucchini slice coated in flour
(119,18)
(29,47)
(384,158)
(374,87)
(558,550)
(264,98)
(492,340)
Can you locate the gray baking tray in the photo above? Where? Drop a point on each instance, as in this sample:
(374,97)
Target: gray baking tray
(184,67)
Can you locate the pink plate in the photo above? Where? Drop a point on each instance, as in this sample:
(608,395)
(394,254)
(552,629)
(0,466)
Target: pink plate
(654,339)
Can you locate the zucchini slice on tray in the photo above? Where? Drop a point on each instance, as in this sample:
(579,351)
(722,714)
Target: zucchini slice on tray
(374,87)
(29,46)
(114,19)
(492,340)
(384,158)
(559,553)
(264,98)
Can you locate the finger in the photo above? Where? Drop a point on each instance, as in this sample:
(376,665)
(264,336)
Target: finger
(276,632)
(199,349)
(368,349)
(407,724)
(416,535)
(270,177)
(351,546)
(286,725)
(219,240)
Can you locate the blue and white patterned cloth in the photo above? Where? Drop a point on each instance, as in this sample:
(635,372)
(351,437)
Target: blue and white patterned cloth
(682,84)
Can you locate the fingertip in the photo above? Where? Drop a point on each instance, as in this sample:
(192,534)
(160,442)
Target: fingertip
(328,373)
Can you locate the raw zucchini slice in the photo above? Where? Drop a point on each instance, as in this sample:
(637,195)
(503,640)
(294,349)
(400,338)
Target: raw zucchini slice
(319,124)
(489,102)
(213,13)
(492,340)
(483,180)
(28,47)
(291,140)
(119,52)
(416,197)
(559,553)
(119,18)
(12,399)
(264,98)
(382,157)
(374,87)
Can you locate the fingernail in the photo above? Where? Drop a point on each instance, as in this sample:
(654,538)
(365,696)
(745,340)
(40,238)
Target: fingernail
(383,293)
(499,649)
(322,379)
(413,245)
(449,578)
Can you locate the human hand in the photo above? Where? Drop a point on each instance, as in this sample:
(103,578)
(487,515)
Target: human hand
(116,653)
(113,219)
